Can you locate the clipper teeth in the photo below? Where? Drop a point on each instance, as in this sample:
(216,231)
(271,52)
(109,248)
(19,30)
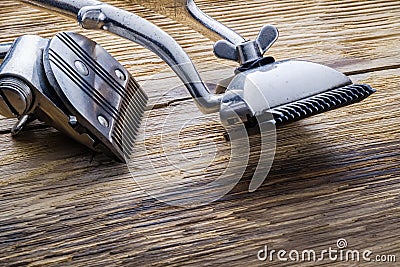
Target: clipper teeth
(129,118)
(310,106)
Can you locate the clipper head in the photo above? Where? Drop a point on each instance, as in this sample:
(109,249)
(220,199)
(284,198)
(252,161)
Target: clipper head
(74,85)
(290,90)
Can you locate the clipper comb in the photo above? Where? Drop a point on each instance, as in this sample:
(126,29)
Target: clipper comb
(322,102)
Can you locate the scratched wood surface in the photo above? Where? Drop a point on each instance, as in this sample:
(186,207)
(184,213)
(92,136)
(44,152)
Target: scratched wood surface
(335,175)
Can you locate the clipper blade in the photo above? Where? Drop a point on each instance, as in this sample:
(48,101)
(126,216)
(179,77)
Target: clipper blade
(320,103)
(129,119)
(98,91)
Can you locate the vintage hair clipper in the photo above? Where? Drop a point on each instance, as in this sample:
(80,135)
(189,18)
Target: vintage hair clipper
(288,90)
(74,85)
(294,89)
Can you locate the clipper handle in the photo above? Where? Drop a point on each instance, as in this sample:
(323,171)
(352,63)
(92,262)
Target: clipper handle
(93,14)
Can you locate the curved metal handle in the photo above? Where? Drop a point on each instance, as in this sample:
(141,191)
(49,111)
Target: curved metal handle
(93,14)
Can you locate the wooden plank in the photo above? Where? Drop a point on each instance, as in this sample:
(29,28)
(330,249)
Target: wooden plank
(301,37)
(339,35)
(313,42)
(335,175)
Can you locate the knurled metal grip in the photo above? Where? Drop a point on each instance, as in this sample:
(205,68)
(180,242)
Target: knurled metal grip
(15,97)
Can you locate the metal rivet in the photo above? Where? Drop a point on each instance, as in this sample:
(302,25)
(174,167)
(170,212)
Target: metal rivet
(120,74)
(81,67)
(73,121)
(103,121)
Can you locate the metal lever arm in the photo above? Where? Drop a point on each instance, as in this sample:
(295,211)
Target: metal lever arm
(93,14)
(188,13)
(213,25)
(234,47)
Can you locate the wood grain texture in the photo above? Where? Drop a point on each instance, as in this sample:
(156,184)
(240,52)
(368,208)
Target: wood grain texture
(335,175)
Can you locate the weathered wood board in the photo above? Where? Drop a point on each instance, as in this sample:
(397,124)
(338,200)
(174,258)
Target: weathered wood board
(335,175)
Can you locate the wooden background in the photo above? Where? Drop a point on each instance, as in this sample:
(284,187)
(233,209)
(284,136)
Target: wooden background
(335,175)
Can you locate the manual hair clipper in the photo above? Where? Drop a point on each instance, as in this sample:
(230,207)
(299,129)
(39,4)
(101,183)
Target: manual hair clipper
(293,89)
(74,85)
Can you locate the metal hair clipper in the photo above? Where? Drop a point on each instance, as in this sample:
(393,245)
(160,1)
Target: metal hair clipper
(74,85)
(294,89)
